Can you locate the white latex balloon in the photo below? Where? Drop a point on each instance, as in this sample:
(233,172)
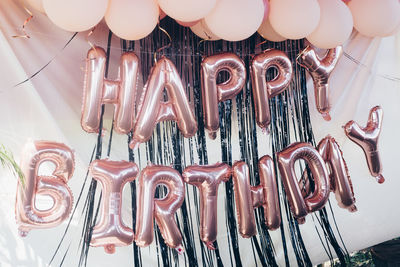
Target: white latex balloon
(201,30)
(268,33)
(187,10)
(132,19)
(294,19)
(36,4)
(235,20)
(75,15)
(335,25)
(375,17)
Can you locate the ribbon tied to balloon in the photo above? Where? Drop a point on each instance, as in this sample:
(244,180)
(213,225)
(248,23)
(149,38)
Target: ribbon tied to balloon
(320,71)
(27,215)
(367,138)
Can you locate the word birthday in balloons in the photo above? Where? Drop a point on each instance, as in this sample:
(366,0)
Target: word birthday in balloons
(327,167)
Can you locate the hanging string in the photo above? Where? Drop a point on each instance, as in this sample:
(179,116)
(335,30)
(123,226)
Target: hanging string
(25,35)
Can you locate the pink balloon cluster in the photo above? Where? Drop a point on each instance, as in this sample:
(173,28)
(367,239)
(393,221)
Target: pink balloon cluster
(329,23)
(325,23)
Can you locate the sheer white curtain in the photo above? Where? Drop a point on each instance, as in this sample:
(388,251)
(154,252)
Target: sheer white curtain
(48,108)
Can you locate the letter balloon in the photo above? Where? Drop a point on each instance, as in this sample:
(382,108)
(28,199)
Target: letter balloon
(249,197)
(286,159)
(110,231)
(263,90)
(320,71)
(367,138)
(162,209)
(153,109)
(99,90)
(207,180)
(34,154)
(213,92)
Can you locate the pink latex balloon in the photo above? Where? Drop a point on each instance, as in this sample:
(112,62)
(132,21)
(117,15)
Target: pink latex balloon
(263,90)
(249,197)
(286,159)
(55,186)
(374,18)
(99,90)
(294,19)
(213,93)
(367,138)
(188,23)
(335,25)
(163,210)
(202,30)
(110,231)
(152,109)
(339,174)
(320,70)
(207,180)
(266,9)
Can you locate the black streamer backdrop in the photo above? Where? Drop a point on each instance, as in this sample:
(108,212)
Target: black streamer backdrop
(290,122)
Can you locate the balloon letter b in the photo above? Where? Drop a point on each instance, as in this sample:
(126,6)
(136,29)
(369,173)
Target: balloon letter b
(213,93)
(98,91)
(286,159)
(367,138)
(55,186)
(112,175)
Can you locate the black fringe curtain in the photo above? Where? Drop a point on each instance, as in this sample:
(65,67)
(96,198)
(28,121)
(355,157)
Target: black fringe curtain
(290,123)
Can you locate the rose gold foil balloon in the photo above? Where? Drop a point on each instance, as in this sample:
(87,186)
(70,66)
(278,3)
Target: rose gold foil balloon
(163,209)
(213,93)
(339,175)
(207,180)
(249,197)
(367,138)
(27,215)
(153,109)
(317,200)
(320,71)
(264,90)
(99,91)
(110,231)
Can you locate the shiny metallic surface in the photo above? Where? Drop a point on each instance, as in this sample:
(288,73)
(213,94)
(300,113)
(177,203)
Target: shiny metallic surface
(320,71)
(213,93)
(263,90)
(54,185)
(367,138)
(153,109)
(207,179)
(110,231)
(317,200)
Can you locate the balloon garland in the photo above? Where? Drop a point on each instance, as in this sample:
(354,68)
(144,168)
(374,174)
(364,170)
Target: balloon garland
(325,23)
